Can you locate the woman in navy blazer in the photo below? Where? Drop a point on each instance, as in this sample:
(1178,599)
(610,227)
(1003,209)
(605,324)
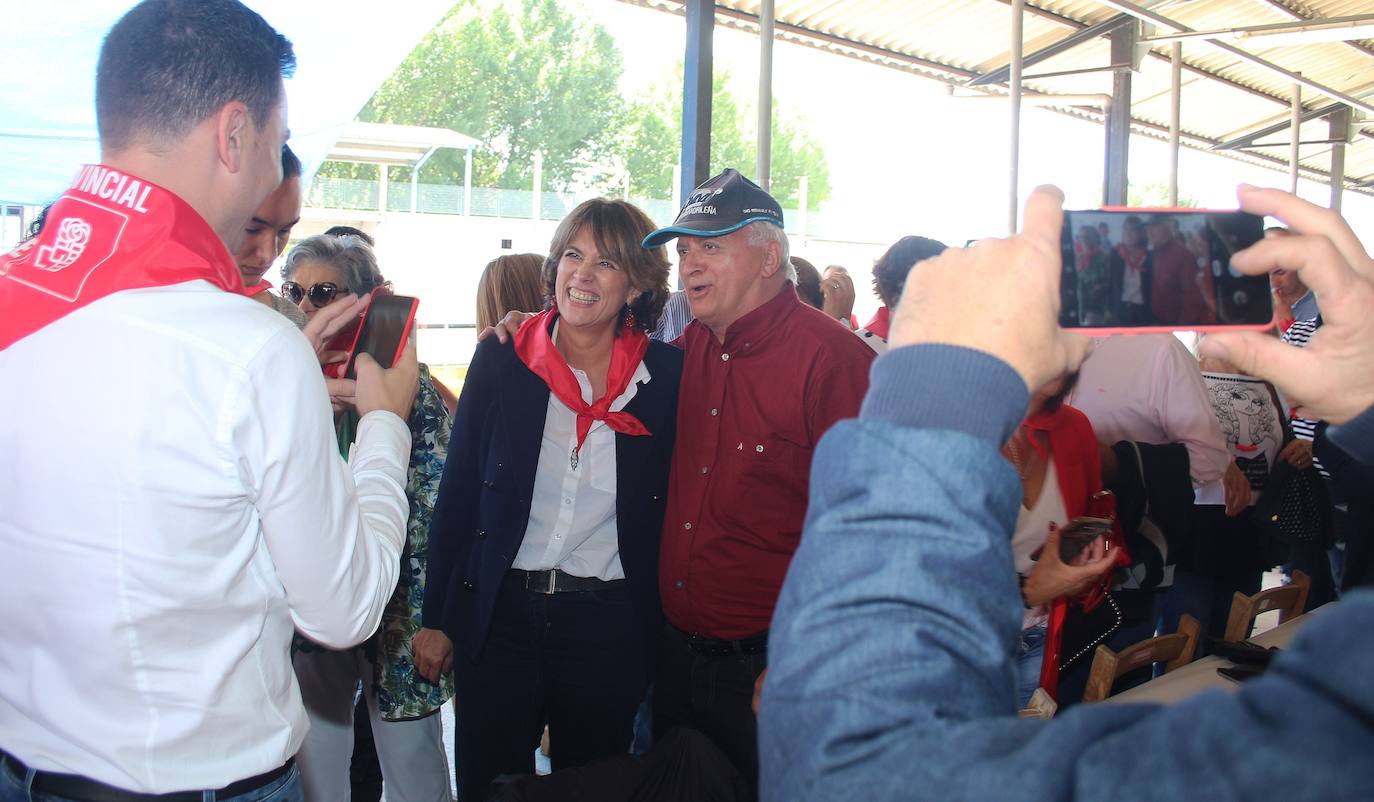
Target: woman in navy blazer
(543,561)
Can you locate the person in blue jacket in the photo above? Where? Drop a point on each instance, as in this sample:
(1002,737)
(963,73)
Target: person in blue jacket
(891,671)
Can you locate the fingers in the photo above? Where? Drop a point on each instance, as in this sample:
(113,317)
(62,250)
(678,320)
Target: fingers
(1316,259)
(332,319)
(1257,354)
(1308,218)
(1044,215)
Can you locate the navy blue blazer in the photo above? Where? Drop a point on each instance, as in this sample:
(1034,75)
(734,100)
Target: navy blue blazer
(483,504)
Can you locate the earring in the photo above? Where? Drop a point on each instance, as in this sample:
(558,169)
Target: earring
(627,317)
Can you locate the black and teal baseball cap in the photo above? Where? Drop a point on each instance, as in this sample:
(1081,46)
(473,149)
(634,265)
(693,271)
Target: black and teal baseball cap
(720,206)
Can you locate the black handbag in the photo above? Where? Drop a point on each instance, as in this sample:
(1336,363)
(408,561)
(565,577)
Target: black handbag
(1294,507)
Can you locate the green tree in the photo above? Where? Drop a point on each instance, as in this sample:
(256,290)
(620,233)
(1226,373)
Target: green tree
(651,140)
(1155,194)
(520,75)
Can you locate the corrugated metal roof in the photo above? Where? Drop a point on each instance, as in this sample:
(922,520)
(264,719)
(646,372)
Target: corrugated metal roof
(1226,93)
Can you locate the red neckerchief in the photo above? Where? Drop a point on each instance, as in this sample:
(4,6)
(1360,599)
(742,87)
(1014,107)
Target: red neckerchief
(109,232)
(535,347)
(881,322)
(1133,255)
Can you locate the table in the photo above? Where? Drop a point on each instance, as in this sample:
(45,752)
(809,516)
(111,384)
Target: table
(1201,675)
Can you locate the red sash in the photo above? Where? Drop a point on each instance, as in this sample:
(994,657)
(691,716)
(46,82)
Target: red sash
(109,232)
(535,348)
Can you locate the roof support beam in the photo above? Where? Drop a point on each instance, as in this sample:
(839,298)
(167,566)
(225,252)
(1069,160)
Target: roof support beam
(697,76)
(1251,138)
(1119,119)
(1142,13)
(1002,74)
(1339,122)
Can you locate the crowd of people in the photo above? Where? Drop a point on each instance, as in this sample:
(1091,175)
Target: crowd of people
(718,542)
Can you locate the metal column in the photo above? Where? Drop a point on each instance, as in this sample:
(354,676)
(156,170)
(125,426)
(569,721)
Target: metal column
(1119,118)
(1175,117)
(696,95)
(1340,134)
(1296,132)
(764,164)
(1018,10)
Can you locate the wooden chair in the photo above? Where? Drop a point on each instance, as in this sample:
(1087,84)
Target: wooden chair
(1290,600)
(1173,651)
(1040,706)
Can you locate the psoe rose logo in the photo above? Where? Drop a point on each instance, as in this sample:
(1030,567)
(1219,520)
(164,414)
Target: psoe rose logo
(73,234)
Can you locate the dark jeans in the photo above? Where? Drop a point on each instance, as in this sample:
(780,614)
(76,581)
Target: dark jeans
(713,694)
(1229,555)
(575,661)
(286,788)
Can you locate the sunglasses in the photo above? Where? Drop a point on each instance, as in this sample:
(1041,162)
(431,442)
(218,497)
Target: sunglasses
(320,294)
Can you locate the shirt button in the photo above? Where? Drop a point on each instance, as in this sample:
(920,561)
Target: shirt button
(714,412)
(687,525)
(758,449)
(724,357)
(705,469)
(679,583)
(557,535)
(569,501)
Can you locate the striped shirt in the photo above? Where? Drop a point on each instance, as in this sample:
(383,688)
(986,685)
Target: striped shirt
(1304,428)
(676,315)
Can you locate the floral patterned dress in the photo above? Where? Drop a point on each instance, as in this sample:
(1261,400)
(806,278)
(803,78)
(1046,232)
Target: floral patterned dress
(400,690)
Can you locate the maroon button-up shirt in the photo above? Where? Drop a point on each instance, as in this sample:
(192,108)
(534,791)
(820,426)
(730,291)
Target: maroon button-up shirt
(750,412)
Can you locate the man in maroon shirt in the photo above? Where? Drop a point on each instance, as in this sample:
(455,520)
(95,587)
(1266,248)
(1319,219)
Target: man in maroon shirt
(764,377)
(1176,292)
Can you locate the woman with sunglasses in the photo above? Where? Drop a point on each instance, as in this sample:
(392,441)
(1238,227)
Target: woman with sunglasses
(403,704)
(544,551)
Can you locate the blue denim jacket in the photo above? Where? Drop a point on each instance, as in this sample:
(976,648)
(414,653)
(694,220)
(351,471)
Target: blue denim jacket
(890,658)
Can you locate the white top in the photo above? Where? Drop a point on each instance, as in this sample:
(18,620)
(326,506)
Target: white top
(1032,529)
(161,537)
(1148,388)
(572,523)
(878,344)
(1033,525)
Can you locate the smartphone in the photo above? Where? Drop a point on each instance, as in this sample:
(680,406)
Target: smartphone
(385,328)
(1160,270)
(1079,534)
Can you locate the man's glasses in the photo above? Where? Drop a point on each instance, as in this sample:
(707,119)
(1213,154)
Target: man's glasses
(320,294)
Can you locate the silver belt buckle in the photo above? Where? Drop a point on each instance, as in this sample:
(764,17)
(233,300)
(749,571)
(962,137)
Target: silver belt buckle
(553,582)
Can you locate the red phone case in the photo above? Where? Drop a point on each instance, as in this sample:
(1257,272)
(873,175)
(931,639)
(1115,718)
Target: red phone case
(336,370)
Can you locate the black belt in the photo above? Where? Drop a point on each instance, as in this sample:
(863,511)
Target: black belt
(73,786)
(711,647)
(556,581)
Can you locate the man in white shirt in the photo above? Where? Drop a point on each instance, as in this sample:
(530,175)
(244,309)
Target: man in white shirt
(164,534)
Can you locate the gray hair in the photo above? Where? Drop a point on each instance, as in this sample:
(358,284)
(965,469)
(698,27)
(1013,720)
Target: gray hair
(761,232)
(350,255)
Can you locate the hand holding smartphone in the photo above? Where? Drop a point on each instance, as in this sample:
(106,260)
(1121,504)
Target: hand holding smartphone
(1079,534)
(382,334)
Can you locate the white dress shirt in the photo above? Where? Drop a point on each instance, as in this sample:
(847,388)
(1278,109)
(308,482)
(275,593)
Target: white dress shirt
(174,505)
(1149,389)
(572,524)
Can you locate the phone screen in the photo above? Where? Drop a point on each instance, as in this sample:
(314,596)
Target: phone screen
(384,330)
(1166,269)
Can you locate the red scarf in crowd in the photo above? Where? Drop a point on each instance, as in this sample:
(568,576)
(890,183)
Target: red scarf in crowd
(534,346)
(1078,468)
(109,232)
(880,323)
